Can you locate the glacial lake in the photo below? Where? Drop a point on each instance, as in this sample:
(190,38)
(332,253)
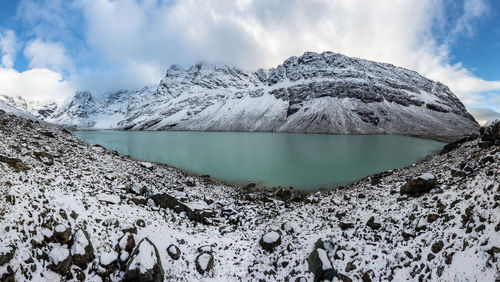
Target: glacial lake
(304,161)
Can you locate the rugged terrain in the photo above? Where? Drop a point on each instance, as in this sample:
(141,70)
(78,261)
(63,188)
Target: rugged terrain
(71,211)
(313,93)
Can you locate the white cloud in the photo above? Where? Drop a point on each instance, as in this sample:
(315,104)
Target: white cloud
(35,84)
(483,115)
(50,55)
(8,48)
(263,33)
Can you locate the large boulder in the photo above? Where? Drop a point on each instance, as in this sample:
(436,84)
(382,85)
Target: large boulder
(109,261)
(320,264)
(419,185)
(174,252)
(81,249)
(144,264)
(270,240)
(196,211)
(490,134)
(60,259)
(44,157)
(204,262)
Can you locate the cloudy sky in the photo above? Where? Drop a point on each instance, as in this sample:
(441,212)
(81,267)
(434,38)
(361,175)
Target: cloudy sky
(50,48)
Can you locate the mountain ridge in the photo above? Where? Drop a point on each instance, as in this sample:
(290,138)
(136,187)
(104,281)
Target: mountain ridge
(314,93)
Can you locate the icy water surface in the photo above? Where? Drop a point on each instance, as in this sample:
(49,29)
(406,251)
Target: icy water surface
(305,161)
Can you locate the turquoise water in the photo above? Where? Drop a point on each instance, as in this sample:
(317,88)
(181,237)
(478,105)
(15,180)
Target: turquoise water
(304,161)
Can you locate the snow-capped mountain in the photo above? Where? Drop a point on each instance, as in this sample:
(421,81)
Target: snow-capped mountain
(41,110)
(314,93)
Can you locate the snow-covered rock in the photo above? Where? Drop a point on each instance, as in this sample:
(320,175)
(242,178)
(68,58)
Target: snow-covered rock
(319,263)
(204,262)
(313,93)
(59,258)
(174,252)
(82,249)
(270,240)
(419,185)
(145,263)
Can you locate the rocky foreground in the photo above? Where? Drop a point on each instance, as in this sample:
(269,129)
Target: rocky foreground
(71,211)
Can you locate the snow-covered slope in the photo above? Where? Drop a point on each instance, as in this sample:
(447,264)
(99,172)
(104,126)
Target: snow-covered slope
(41,110)
(314,93)
(74,212)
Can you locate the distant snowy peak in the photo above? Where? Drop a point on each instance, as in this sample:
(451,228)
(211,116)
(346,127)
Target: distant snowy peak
(313,93)
(41,110)
(86,110)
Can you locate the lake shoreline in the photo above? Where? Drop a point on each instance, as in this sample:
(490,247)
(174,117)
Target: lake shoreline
(444,139)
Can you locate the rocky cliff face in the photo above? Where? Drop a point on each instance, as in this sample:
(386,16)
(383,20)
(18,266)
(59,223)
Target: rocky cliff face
(314,93)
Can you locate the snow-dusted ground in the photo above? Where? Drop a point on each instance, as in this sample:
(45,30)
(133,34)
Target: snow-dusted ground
(449,234)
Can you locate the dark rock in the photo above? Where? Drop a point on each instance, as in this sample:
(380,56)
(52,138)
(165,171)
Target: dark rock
(350,266)
(204,262)
(62,234)
(81,249)
(250,186)
(432,217)
(346,225)
(6,254)
(453,145)
(457,173)
(430,257)
(14,163)
(144,254)
(284,194)
(9,161)
(320,264)
(480,228)
(174,252)
(437,247)
(487,159)
(141,223)
(167,201)
(126,243)
(140,201)
(376,178)
(343,277)
(44,157)
(371,223)
(270,240)
(449,258)
(366,277)
(190,183)
(48,134)
(60,259)
(419,185)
